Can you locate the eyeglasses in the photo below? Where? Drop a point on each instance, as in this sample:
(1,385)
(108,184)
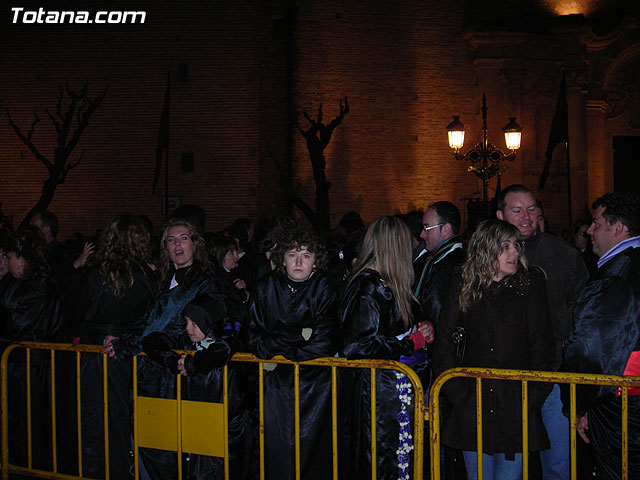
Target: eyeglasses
(426,228)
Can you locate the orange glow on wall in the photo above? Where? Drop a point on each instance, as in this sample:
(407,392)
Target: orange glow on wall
(571,7)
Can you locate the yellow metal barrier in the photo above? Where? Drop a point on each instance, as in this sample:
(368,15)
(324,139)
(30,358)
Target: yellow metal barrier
(525,376)
(159,423)
(179,425)
(335,363)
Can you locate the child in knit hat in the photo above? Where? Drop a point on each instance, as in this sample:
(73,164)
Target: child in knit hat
(205,317)
(207,331)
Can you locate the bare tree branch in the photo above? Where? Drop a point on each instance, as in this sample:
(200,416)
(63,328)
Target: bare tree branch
(344,109)
(78,110)
(318,136)
(67,169)
(27,140)
(304,208)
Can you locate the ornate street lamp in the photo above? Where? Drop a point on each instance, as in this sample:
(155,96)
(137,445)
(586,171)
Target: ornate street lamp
(484,157)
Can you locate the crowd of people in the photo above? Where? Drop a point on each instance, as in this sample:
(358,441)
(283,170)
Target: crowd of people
(407,288)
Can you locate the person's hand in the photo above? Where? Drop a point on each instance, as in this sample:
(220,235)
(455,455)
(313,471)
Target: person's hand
(426,328)
(181,369)
(581,425)
(239,284)
(107,346)
(81,261)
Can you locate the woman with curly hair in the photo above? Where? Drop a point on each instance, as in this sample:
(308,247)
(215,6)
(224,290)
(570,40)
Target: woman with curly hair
(381,319)
(185,272)
(293,313)
(501,305)
(113,300)
(31,311)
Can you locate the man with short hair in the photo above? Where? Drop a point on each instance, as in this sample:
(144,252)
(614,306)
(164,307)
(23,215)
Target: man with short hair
(57,257)
(566,275)
(440,232)
(440,229)
(444,255)
(606,339)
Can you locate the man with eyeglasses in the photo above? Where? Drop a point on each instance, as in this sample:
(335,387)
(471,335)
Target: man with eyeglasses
(566,275)
(444,256)
(440,229)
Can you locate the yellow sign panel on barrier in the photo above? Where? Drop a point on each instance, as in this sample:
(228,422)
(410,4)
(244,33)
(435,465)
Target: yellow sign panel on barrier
(202,426)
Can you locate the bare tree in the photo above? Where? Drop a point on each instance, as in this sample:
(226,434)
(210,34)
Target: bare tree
(318,136)
(79,107)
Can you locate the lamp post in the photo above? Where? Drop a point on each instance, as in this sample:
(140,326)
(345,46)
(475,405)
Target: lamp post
(485,158)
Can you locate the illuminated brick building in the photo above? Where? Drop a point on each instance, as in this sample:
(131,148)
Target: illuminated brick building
(240,70)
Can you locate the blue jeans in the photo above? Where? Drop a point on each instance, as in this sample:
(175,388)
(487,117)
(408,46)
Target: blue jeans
(556,462)
(494,467)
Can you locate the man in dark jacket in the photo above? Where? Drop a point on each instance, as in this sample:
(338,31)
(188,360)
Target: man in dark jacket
(606,339)
(443,256)
(566,275)
(440,229)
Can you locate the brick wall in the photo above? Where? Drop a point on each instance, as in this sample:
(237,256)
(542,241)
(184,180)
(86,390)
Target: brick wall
(406,70)
(215,114)
(404,65)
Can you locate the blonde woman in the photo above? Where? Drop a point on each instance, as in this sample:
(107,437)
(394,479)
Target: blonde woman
(380,319)
(185,272)
(502,305)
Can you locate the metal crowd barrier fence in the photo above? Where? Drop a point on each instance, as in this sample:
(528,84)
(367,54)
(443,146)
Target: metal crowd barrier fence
(177,425)
(525,376)
(334,363)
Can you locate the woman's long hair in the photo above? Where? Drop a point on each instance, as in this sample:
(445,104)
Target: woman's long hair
(125,244)
(29,244)
(200,263)
(482,265)
(387,249)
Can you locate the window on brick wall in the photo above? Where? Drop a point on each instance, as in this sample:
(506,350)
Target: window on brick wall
(187,162)
(183,72)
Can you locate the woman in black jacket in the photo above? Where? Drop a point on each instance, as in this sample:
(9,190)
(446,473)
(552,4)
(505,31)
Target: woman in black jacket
(381,320)
(185,272)
(294,313)
(502,306)
(113,300)
(31,312)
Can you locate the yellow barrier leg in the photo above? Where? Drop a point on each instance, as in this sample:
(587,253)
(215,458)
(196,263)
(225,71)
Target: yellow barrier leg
(525,431)
(374,453)
(296,407)
(79,413)
(334,420)
(105,413)
(136,435)
(572,431)
(479,425)
(30,460)
(625,434)
(261,417)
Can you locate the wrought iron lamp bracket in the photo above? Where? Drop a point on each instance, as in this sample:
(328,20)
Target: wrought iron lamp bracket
(488,169)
